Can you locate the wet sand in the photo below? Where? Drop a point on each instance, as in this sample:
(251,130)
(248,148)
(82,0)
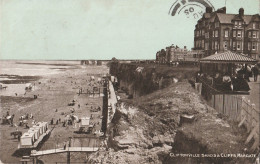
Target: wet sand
(54,91)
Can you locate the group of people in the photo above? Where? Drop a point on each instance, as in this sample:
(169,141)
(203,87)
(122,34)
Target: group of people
(230,83)
(235,82)
(226,82)
(248,71)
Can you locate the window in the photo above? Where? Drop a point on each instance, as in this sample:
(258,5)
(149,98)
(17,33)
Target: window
(216,45)
(239,24)
(225,45)
(238,45)
(234,45)
(202,43)
(216,33)
(216,24)
(249,34)
(254,34)
(236,23)
(226,33)
(234,33)
(213,34)
(207,35)
(253,45)
(249,45)
(239,33)
(254,25)
(206,46)
(203,32)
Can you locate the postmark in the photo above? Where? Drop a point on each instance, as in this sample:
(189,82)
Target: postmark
(192,9)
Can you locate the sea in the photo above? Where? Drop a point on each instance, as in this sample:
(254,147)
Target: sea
(16,74)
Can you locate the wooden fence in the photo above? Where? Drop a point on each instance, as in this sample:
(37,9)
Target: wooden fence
(236,107)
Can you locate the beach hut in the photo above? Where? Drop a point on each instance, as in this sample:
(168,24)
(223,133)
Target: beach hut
(27,139)
(36,132)
(38,127)
(44,126)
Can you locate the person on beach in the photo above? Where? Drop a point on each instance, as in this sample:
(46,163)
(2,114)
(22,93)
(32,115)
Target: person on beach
(64,146)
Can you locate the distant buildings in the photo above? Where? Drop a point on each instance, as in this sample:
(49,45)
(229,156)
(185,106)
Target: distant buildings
(219,32)
(171,54)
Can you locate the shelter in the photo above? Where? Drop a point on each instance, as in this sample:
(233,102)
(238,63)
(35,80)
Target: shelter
(224,62)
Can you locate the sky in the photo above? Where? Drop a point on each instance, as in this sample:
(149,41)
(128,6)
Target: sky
(97,29)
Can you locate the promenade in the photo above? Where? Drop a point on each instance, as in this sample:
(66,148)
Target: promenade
(254,96)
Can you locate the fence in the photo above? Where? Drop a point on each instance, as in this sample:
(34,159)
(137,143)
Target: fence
(235,106)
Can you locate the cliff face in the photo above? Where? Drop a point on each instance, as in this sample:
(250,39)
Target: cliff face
(149,128)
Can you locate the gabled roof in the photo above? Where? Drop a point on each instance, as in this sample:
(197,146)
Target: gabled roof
(255,17)
(247,18)
(228,56)
(225,18)
(212,18)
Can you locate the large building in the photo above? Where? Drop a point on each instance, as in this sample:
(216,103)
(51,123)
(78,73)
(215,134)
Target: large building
(219,32)
(171,54)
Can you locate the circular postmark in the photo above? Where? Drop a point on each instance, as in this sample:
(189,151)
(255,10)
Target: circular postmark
(190,8)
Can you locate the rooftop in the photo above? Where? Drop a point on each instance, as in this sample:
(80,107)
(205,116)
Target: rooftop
(228,57)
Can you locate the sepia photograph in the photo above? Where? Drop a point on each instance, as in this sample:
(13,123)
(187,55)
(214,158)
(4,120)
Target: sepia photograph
(129,81)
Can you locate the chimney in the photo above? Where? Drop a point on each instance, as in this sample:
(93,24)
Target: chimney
(222,10)
(208,9)
(185,47)
(241,12)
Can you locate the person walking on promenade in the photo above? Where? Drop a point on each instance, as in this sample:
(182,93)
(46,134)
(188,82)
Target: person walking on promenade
(255,72)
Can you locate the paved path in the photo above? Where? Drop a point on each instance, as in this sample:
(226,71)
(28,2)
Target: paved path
(254,96)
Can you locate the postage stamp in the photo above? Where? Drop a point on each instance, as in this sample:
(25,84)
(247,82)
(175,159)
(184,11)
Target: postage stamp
(190,8)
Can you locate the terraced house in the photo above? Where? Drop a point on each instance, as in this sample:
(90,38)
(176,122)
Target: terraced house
(219,32)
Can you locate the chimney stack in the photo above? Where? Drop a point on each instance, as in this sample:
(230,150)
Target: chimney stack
(208,9)
(241,12)
(222,10)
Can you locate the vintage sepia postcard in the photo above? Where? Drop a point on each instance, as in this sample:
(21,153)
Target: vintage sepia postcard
(129,81)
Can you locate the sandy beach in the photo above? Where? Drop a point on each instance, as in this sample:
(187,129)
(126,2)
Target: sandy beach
(54,91)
